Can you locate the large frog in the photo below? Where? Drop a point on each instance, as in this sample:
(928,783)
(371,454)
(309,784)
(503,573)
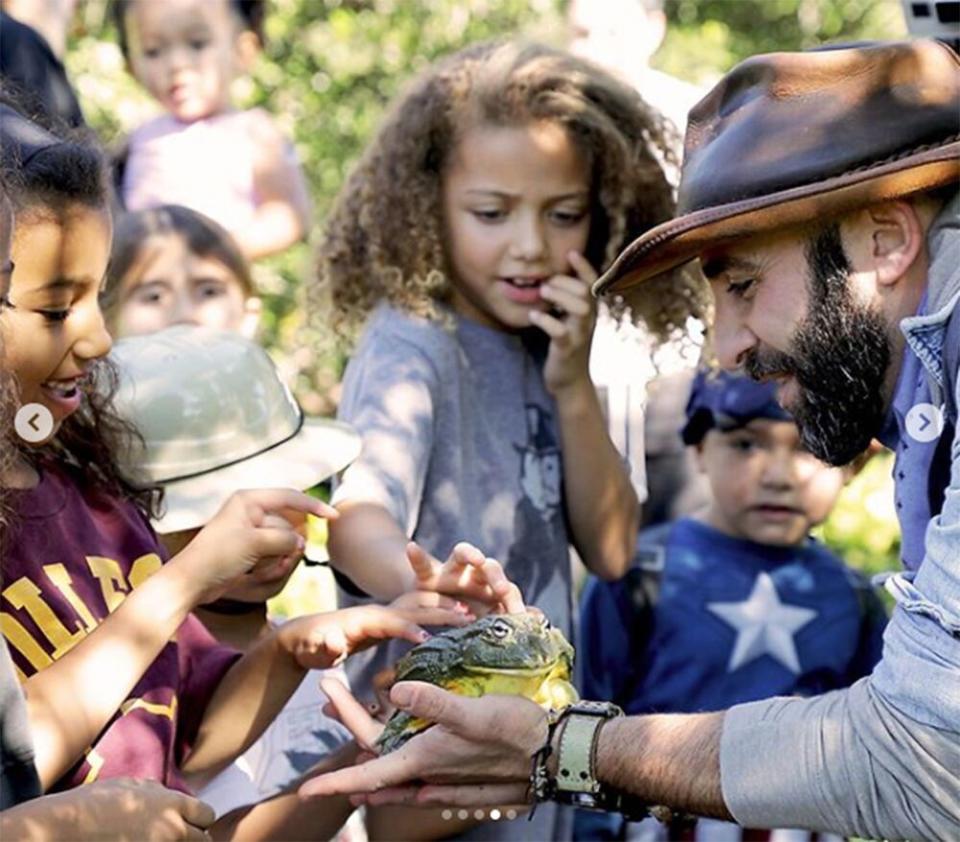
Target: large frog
(513,654)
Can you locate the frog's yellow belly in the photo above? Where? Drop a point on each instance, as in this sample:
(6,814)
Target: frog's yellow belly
(549,690)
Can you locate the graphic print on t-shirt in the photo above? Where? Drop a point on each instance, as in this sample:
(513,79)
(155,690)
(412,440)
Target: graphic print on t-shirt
(538,522)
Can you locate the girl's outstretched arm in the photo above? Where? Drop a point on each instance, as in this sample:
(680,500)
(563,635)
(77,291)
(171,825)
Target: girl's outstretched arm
(602,504)
(70,701)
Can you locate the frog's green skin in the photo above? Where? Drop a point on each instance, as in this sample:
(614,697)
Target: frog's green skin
(514,654)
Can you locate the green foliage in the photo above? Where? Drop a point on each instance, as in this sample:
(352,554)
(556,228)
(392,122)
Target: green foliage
(863,526)
(707,37)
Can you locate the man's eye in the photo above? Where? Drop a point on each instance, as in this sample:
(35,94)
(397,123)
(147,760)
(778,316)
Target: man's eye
(740,289)
(198,44)
(742,445)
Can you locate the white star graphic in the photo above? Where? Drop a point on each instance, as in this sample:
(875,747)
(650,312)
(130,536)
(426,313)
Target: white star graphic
(764,624)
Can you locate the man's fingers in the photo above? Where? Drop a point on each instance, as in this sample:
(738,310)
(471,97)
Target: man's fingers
(502,796)
(393,769)
(433,703)
(351,713)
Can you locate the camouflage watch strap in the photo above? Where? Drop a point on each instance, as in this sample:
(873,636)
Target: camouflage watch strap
(576,750)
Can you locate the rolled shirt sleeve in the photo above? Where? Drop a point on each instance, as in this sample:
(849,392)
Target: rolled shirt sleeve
(846,762)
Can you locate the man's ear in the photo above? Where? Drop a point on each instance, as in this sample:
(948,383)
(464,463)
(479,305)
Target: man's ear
(896,238)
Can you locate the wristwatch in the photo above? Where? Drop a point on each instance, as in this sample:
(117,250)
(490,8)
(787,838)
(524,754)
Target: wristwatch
(576,781)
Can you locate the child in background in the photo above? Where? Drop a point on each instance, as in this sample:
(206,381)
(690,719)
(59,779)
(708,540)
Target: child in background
(234,166)
(736,603)
(80,540)
(467,239)
(171,265)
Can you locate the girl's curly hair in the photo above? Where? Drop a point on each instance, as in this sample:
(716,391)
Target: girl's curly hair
(384,237)
(49,168)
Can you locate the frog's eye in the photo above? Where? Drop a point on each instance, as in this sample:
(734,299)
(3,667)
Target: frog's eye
(500,629)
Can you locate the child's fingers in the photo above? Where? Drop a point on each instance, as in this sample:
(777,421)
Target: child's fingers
(467,554)
(429,599)
(283,501)
(582,267)
(273,542)
(351,713)
(572,301)
(426,616)
(550,325)
(421,561)
(506,591)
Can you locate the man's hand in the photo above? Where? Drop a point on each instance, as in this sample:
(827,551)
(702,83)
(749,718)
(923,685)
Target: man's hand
(479,751)
(252,530)
(466,574)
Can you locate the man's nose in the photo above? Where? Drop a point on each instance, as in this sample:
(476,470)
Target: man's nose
(731,336)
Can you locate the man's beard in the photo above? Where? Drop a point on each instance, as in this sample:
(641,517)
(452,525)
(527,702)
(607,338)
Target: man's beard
(839,358)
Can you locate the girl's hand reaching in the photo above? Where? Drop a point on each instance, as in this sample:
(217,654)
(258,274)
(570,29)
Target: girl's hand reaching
(252,531)
(569,324)
(467,574)
(321,641)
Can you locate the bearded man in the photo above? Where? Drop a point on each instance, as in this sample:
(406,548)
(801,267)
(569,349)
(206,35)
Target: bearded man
(819,193)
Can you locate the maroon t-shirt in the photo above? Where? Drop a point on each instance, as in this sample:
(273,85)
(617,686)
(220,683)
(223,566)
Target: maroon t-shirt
(70,558)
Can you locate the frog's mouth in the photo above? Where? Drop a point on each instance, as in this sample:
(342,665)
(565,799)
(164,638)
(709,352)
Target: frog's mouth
(525,672)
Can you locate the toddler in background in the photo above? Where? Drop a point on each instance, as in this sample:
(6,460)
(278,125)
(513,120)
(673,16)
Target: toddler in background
(234,166)
(465,242)
(172,265)
(737,602)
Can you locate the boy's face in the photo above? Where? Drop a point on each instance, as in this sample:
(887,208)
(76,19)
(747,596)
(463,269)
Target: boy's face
(170,285)
(185,53)
(766,487)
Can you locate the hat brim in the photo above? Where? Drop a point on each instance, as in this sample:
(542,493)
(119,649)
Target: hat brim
(680,240)
(319,450)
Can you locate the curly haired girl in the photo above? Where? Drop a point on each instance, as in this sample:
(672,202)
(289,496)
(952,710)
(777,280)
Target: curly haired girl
(467,239)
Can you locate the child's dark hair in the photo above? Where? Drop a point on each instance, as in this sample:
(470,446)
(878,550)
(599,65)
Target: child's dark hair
(204,238)
(250,15)
(49,173)
(384,238)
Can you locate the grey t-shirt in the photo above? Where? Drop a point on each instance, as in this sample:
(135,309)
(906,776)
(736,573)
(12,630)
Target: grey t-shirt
(460,443)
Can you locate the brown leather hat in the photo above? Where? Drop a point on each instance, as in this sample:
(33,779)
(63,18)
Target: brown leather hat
(786,138)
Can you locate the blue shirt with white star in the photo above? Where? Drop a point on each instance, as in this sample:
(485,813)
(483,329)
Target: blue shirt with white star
(735,621)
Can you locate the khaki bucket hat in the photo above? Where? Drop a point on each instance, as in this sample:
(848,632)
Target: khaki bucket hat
(216,418)
(787,138)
